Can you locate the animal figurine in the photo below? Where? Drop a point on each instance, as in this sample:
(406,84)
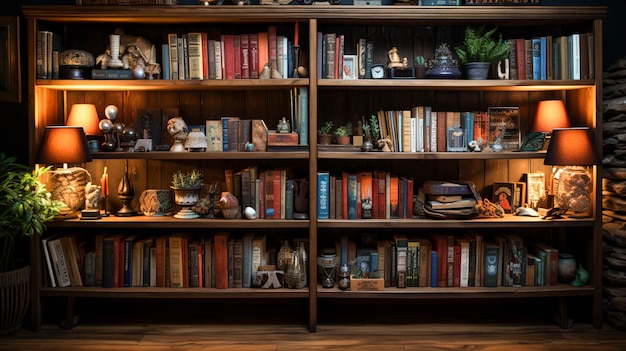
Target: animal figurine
(229,205)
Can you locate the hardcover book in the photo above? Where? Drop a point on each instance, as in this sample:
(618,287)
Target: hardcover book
(491,264)
(221,260)
(323,195)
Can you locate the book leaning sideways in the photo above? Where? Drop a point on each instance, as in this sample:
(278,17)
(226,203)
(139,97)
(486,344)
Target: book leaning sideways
(436,187)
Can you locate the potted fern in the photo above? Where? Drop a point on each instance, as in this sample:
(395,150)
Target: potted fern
(25,207)
(479,50)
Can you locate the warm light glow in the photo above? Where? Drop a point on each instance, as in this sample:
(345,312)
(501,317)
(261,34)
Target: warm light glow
(550,114)
(86,116)
(571,147)
(63,144)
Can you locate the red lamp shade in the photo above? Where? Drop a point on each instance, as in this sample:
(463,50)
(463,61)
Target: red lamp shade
(86,116)
(571,147)
(550,114)
(63,144)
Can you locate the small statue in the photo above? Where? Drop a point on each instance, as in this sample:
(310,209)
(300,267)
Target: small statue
(135,51)
(93,195)
(394,59)
(177,128)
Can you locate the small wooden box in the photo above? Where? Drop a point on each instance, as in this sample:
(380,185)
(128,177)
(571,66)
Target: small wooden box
(370,284)
(282,139)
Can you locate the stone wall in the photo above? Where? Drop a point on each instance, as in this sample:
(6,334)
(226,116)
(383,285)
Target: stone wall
(614,194)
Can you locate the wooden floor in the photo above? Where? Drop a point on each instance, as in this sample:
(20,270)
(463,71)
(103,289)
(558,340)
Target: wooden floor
(212,328)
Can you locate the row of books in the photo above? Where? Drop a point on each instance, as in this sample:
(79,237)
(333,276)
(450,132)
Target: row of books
(420,129)
(47,54)
(231,56)
(334,62)
(271,191)
(221,260)
(364,195)
(569,57)
(126,2)
(446,260)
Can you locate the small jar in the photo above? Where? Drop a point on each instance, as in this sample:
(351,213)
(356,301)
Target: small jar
(344,277)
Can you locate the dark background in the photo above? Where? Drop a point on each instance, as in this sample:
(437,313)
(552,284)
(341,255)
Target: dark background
(14,138)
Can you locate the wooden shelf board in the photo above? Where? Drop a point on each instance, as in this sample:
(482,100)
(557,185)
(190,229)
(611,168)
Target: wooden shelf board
(161,84)
(460,293)
(175,293)
(166,155)
(456,84)
(430,155)
(505,222)
(163,222)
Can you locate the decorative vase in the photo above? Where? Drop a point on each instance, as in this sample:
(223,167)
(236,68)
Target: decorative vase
(443,65)
(477,70)
(186,198)
(293,275)
(156,202)
(582,277)
(567,268)
(126,193)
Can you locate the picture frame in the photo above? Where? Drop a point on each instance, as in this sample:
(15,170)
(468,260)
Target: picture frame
(503,194)
(350,68)
(504,130)
(10,85)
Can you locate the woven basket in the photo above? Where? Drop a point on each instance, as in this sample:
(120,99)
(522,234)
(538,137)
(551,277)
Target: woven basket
(14,299)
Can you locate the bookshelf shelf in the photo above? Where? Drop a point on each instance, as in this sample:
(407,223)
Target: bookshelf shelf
(416,31)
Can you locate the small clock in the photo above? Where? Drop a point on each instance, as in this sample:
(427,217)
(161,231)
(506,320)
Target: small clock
(378,71)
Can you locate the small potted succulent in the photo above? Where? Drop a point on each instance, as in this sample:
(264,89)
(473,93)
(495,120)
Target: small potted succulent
(342,135)
(324,134)
(420,66)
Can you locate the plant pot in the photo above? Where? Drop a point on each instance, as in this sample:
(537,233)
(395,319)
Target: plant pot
(14,299)
(477,70)
(343,140)
(324,139)
(186,198)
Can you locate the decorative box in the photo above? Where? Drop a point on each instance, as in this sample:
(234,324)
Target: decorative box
(369,284)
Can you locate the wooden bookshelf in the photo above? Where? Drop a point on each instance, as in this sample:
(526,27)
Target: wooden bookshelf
(87,27)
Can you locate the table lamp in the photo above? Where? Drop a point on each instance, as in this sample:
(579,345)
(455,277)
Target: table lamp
(571,152)
(63,145)
(550,114)
(86,116)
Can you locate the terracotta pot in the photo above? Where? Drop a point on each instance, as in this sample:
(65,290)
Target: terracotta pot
(324,139)
(343,140)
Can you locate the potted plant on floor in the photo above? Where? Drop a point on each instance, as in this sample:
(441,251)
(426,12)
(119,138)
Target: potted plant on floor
(479,50)
(25,207)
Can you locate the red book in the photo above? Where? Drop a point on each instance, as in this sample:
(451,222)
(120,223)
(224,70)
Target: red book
(245,56)
(272,47)
(521,58)
(221,260)
(393,197)
(237,56)
(228,56)
(382,195)
(185,258)
(440,245)
(205,55)
(409,203)
(272,194)
(457,266)
(254,56)
(442,134)
(261,209)
(263,50)
(161,247)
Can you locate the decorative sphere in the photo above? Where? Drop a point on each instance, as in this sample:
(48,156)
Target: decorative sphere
(106,126)
(129,134)
(118,127)
(111,112)
(139,72)
(250,212)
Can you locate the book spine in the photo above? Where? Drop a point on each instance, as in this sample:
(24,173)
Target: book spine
(351,196)
(245,56)
(204,36)
(289,199)
(303,123)
(401,263)
(536,55)
(254,56)
(221,260)
(491,265)
(173,63)
(323,196)
(176,262)
(194,44)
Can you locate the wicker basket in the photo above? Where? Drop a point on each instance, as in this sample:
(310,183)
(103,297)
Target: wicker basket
(14,299)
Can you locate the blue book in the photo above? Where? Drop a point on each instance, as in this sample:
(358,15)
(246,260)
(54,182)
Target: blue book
(323,195)
(543,58)
(166,58)
(467,123)
(352,195)
(433,269)
(303,122)
(536,50)
(491,264)
(289,199)
(246,269)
